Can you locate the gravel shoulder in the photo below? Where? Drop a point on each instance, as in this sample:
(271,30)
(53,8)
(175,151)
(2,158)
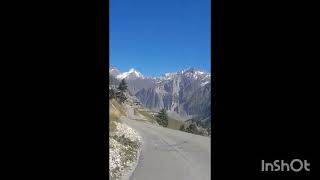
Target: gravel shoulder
(125,145)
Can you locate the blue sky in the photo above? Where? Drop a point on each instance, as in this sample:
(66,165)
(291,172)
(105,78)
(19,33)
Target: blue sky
(159,36)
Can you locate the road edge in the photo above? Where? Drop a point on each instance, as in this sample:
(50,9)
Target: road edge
(129,172)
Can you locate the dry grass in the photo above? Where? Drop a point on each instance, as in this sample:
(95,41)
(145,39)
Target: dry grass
(118,107)
(112,124)
(147,115)
(174,124)
(116,110)
(135,112)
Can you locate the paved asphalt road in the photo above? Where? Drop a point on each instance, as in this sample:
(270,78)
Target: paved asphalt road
(170,154)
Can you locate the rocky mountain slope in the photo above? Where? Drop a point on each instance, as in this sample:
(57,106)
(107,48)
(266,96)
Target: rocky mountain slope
(185,94)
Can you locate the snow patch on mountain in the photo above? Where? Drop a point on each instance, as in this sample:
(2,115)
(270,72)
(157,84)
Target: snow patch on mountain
(114,71)
(131,74)
(204,83)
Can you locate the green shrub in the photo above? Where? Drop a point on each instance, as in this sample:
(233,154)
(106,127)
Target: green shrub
(182,128)
(162,118)
(192,129)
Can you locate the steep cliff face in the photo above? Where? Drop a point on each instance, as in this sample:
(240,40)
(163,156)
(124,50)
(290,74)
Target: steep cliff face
(199,104)
(185,93)
(135,85)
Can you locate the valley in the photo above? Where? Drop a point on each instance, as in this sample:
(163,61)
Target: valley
(185,94)
(159,125)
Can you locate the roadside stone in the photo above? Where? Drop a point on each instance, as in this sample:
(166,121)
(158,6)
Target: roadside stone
(124,147)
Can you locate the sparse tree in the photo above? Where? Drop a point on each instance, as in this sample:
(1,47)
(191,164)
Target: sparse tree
(209,130)
(112,93)
(162,118)
(120,94)
(182,128)
(123,87)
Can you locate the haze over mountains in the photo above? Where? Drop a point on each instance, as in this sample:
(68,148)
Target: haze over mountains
(184,94)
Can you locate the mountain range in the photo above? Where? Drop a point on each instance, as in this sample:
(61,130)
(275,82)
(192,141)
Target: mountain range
(186,94)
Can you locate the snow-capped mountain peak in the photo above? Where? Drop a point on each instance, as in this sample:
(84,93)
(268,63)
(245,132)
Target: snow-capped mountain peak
(168,76)
(114,71)
(131,74)
(194,73)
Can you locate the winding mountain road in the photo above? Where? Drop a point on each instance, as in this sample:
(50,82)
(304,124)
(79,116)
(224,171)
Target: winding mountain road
(170,154)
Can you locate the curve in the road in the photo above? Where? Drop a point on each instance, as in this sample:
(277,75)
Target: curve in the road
(171,154)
